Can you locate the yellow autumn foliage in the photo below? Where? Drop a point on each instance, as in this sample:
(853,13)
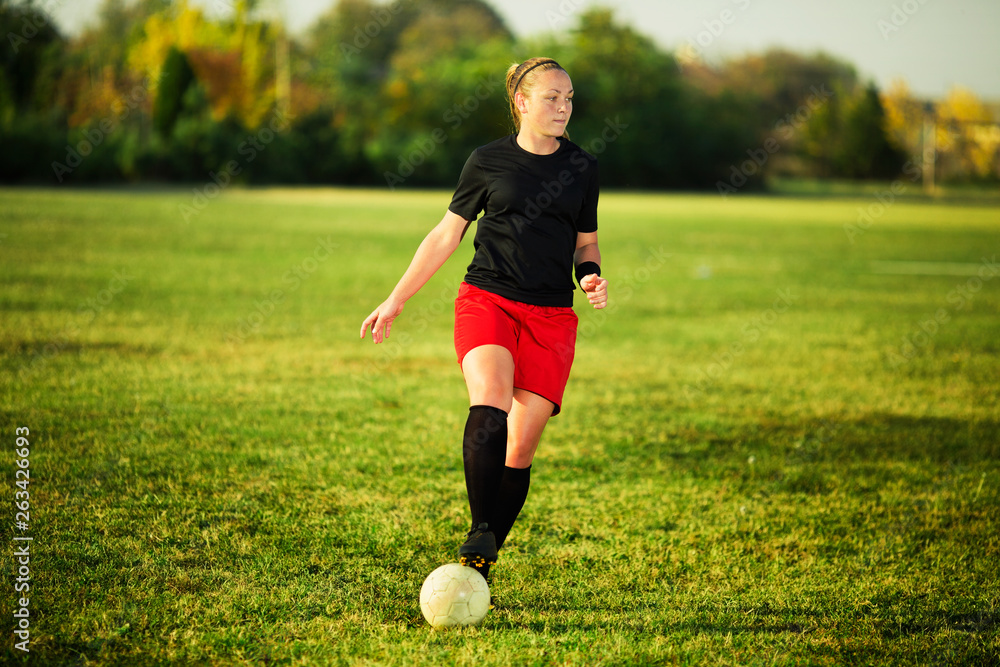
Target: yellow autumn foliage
(967,135)
(967,129)
(251,97)
(904,116)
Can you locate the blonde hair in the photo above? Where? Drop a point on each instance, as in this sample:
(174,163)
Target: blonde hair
(521,77)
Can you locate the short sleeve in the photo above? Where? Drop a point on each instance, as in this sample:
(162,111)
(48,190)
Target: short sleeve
(470,196)
(586,222)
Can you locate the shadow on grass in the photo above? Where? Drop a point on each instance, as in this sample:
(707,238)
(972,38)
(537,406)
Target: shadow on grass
(875,438)
(560,619)
(938,439)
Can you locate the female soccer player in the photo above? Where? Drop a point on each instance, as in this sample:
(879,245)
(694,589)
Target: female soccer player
(515,329)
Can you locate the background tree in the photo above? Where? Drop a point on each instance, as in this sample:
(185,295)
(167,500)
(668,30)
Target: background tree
(401,92)
(346,58)
(96,76)
(177,76)
(443,94)
(30,61)
(904,117)
(864,149)
(848,137)
(233,60)
(790,98)
(678,134)
(968,136)
(779,82)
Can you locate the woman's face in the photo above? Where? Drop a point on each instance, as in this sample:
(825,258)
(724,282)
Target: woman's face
(548,108)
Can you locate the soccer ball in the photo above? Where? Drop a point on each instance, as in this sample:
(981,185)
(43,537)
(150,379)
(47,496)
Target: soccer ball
(454,594)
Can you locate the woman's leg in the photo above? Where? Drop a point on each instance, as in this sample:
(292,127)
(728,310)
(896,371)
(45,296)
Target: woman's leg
(489,375)
(528,417)
(498,459)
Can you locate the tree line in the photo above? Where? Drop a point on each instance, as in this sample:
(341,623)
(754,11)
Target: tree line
(397,94)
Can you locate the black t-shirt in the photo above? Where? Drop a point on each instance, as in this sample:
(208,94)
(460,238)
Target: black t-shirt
(534,206)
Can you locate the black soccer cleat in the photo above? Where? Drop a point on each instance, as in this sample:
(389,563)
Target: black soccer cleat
(480,548)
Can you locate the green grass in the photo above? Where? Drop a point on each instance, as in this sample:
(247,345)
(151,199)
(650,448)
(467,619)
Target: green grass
(222,473)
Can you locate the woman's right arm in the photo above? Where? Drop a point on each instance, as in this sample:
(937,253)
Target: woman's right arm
(434,250)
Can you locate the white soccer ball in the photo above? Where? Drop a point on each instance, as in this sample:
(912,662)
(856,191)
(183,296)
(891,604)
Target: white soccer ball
(453,595)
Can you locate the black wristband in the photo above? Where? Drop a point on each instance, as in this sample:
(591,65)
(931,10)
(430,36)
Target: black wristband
(584,269)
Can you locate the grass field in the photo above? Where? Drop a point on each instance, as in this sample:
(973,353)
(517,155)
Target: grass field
(781,445)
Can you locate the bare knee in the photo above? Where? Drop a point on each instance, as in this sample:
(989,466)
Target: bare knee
(489,376)
(527,420)
(486,392)
(519,457)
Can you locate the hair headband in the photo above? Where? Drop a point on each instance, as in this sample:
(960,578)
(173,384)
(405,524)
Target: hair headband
(544,62)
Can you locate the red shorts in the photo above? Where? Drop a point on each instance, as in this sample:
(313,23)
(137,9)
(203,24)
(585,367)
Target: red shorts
(542,339)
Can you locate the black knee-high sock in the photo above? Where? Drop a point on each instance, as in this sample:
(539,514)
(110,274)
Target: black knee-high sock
(484,449)
(513,492)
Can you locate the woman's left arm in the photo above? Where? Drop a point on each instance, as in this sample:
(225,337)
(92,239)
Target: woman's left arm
(588,252)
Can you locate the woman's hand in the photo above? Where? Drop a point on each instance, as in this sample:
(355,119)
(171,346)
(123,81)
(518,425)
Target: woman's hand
(596,289)
(434,250)
(381,319)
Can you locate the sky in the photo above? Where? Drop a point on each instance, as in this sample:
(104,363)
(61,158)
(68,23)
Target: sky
(934,45)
